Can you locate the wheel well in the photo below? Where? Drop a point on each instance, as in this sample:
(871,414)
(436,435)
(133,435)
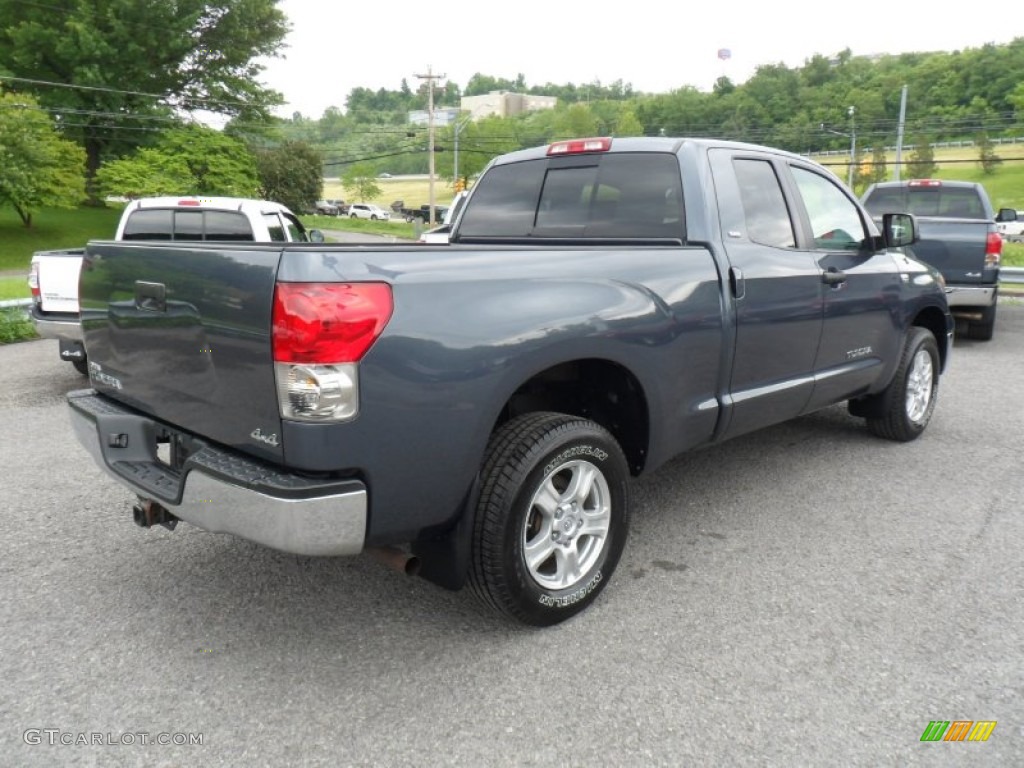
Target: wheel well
(599,390)
(933,320)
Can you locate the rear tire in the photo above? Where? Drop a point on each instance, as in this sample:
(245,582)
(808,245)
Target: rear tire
(983,329)
(905,407)
(82,366)
(552,518)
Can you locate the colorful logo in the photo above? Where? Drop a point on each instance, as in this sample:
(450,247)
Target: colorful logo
(958,730)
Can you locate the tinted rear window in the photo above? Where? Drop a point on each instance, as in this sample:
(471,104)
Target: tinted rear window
(148,225)
(176,224)
(954,202)
(627,196)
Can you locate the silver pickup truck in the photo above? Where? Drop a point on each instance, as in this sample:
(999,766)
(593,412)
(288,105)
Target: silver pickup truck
(958,236)
(53,275)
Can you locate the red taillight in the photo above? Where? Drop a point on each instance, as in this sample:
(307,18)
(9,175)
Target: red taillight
(33,281)
(993,250)
(328,323)
(577,146)
(925,183)
(188,202)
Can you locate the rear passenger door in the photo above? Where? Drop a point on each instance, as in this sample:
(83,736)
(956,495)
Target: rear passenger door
(776,289)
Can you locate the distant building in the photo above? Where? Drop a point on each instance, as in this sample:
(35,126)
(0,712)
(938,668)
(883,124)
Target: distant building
(505,104)
(442,116)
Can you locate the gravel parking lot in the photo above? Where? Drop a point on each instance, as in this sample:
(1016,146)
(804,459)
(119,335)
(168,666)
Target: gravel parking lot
(806,595)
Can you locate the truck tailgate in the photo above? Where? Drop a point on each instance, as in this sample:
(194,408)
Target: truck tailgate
(185,336)
(956,247)
(58,280)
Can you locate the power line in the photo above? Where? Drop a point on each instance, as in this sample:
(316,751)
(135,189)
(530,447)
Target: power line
(121,92)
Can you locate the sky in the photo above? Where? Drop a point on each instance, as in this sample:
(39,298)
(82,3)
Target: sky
(655,46)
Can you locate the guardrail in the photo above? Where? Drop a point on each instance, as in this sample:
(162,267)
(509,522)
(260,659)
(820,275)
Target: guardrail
(15,303)
(1011,275)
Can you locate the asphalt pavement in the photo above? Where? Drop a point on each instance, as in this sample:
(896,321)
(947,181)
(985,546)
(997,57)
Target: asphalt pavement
(807,595)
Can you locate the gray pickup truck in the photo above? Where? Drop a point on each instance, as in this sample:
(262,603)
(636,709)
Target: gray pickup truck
(477,409)
(958,235)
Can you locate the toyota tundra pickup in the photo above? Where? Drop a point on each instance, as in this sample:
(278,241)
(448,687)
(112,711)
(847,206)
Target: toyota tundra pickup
(477,409)
(53,275)
(958,236)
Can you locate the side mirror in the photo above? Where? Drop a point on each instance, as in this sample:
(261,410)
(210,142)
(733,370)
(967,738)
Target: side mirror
(899,229)
(315,236)
(1006,214)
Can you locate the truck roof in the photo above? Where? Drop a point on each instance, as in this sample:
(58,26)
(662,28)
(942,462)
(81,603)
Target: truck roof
(244,204)
(641,144)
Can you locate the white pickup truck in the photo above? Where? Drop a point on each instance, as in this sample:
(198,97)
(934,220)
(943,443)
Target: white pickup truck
(53,275)
(1011,230)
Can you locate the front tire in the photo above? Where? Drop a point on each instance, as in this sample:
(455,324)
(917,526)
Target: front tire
(905,407)
(552,518)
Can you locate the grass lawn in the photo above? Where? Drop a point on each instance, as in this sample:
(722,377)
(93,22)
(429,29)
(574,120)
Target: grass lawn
(414,192)
(52,228)
(1013,254)
(1005,186)
(14,288)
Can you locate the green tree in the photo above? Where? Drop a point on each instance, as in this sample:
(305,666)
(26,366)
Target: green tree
(987,154)
(479,143)
(879,170)
(135,64)
(921,164)
(290,174)
(38,168)
(360,179)
(218,164)
(575,122)
(193,160)
(628,124)
(148,172)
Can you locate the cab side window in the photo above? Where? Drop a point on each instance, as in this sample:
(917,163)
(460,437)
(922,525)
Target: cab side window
(835,221)
(274,228)
(764,207)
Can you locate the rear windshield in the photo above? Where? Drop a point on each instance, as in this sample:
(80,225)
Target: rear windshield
(177,224)
(951,202)
(610,196)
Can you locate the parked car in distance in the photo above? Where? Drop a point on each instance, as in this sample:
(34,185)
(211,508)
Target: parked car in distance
(327,208)
(439,235)
(1010,227)
(957,226)
(341,205)
(367,211)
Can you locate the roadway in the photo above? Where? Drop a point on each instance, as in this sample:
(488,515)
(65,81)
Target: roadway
(804,596)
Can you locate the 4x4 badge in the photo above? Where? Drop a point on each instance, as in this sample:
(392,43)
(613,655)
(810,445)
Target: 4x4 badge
(257,434)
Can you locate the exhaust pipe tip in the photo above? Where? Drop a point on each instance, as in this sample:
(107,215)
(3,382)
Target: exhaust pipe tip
(396,559)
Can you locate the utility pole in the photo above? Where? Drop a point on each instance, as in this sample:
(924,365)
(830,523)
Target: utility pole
(853,146)
(899,133)
(459,125)
(430,77)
